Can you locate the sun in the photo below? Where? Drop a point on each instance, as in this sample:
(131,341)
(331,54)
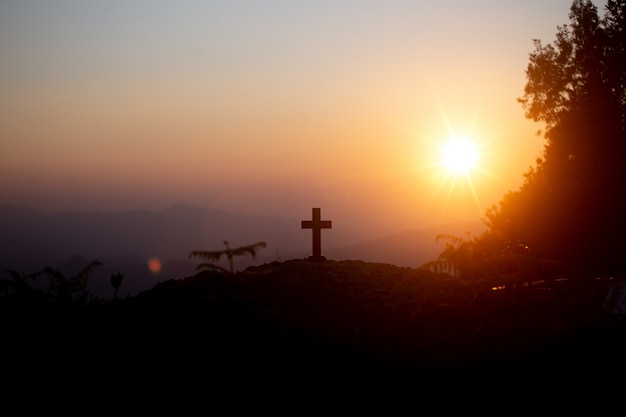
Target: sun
(457,168)
(459,156)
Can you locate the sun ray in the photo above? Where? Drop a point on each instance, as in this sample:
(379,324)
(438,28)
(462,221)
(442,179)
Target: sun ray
(458,161)
(474,194)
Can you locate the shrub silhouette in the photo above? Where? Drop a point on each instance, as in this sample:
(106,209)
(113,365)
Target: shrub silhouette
(490,259)
(72,289)
(116,282)
(215,256)
(18,290)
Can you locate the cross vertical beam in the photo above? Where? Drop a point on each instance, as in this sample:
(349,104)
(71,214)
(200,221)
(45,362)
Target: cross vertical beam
(317,224)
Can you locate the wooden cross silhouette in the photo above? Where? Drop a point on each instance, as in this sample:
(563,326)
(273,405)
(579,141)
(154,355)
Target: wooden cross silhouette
(317,224)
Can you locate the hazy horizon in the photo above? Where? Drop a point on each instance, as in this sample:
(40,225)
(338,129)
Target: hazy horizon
(268,108)
(153,245)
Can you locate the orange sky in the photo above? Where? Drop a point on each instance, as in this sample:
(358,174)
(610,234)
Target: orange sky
(267,107)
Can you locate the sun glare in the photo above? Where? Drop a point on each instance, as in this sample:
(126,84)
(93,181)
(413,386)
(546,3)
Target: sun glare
(458,162)
(457,169)
(459,156)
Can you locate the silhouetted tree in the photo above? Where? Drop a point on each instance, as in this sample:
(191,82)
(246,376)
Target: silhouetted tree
(572,204)
(215,256)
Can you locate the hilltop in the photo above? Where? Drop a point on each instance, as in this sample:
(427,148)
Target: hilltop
(347,323)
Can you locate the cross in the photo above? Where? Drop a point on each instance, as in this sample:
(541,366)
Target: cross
(317,224)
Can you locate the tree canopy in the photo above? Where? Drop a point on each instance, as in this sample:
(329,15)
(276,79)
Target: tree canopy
(572,204)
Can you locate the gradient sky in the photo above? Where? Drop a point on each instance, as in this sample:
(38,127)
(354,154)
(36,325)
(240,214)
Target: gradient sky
(268,107)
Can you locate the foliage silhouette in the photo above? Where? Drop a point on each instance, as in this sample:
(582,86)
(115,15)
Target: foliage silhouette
(215,256)
(116,282)
(62,289)
(490,260)
(571,205)
(18,290)
(70,289)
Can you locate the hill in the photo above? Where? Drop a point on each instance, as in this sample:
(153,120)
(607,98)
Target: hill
(125,241)
(345,326)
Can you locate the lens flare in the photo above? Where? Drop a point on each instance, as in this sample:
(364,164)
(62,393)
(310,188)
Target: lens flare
(154,265)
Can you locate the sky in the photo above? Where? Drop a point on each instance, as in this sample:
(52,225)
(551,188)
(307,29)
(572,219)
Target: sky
(268,107)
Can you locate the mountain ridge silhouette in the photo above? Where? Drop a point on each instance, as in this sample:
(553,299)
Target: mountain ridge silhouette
(124,241)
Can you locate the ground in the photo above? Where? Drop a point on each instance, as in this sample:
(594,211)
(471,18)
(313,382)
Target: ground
(334,327)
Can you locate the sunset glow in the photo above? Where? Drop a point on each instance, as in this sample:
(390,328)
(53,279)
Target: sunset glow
(268,108)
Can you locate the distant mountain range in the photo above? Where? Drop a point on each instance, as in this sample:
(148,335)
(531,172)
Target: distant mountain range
(411,248)
(125,241)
